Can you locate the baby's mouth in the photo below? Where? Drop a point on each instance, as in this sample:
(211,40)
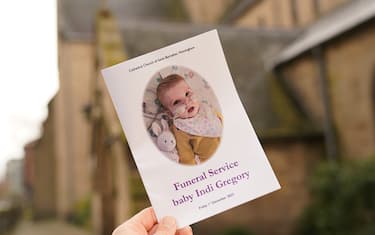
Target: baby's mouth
(191,109)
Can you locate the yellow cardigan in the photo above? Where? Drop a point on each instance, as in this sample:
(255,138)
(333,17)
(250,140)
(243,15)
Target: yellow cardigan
(190,145)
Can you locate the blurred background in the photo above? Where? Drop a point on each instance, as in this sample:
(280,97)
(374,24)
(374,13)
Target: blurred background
(304,70)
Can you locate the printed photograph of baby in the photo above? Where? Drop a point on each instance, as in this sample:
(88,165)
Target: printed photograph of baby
(182,115)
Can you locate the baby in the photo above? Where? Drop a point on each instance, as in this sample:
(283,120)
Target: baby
(196,126)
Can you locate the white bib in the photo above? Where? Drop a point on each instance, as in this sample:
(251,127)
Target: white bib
(205,123)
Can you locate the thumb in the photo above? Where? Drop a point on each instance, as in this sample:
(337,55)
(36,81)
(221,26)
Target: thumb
(167,226)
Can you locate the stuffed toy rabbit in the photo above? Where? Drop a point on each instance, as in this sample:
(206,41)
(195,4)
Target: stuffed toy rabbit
(165,140)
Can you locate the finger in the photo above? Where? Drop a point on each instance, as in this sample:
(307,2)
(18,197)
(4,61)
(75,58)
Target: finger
(185,231)
(152,231)
(167,226)
(143,221)
(146,217)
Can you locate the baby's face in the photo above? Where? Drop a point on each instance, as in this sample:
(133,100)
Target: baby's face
(178,100)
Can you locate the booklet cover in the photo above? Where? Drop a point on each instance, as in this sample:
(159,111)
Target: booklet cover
(193,144)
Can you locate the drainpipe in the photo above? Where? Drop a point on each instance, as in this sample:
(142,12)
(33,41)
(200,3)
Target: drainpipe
(329,132)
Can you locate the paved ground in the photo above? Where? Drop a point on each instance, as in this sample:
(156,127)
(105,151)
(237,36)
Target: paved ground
(47,228)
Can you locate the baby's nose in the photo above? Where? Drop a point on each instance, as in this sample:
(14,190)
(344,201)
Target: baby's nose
(187,100)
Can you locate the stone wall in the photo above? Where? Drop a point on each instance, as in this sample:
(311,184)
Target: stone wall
(111,192)
(44,164)
(350,70)
(302,77)
(285,14)
(71,129)
(208,11)
(350,67)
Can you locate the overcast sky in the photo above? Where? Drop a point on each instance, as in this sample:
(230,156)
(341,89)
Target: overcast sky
(29,77)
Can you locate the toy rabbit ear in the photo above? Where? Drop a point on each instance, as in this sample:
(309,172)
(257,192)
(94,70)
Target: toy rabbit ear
(155,128)
(164,124)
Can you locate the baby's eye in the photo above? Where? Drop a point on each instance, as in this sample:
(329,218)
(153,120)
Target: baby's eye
(176,102)
(165,141)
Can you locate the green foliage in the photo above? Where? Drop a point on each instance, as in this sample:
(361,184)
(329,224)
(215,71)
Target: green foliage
(137,190)
(291,117)
(138,194)
(10,215)
(175,10)
(343,200)
(236,231)
(82,213)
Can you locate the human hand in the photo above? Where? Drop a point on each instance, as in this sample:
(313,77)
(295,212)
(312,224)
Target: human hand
(145,223)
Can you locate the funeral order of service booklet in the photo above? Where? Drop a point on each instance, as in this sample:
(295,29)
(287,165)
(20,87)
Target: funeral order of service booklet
(193,144)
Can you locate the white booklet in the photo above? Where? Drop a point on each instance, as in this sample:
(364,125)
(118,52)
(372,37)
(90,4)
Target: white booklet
(193,144)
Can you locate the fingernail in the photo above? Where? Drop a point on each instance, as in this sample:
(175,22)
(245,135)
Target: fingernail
(188,228)
(169,221)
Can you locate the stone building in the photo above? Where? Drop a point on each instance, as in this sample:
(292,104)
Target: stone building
(208,11)
(330,69)
(263,14)
(44,199)
(14,177)
(83,154)
(62,159)
(280,14)
(29,171)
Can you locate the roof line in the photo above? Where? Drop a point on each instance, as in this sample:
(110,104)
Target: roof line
(345,18)
(238,11)
(178,26)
